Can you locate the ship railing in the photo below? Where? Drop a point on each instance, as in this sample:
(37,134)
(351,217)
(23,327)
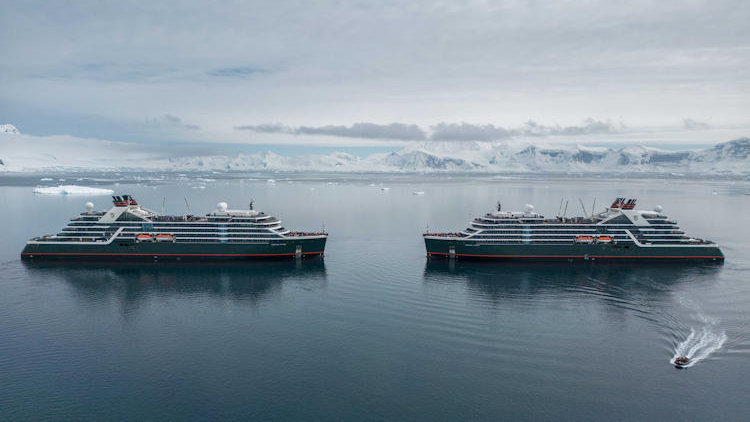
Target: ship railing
(443,234)
(99,240)
(305,234)
(683,242)
(177,218)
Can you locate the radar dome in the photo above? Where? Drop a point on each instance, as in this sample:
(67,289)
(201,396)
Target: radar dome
(89,206)
(529,208)
(222,206)
(658,208)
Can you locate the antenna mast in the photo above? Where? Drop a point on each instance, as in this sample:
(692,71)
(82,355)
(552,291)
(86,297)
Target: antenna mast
(582,207)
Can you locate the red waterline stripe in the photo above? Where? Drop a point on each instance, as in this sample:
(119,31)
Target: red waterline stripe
(580,256)
(169,254)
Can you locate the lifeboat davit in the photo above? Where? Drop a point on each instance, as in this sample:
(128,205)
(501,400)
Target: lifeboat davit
(681,361)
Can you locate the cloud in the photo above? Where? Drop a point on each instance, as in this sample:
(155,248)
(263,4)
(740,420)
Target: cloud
(117,72)
(692,124)
(236,72)
(589,127)
(268,128)
(443,131)
(326,61)
(468,132)
(396,131)
(488,132)
(400,131)
(174,121)
(109,73)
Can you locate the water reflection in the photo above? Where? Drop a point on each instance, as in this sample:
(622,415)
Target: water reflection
(612,281)
(249,282)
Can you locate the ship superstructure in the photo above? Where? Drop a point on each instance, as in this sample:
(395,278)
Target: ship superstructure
(129,230)
(618,232)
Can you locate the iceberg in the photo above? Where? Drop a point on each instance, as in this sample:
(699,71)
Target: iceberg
(72,190)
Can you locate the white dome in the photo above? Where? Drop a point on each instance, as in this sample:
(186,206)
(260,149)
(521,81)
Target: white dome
(529,208)
(658,208)
(222,206)
(89,206)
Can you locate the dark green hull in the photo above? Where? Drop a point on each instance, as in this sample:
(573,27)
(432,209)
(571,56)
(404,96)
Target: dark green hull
(447,247)
(171,251)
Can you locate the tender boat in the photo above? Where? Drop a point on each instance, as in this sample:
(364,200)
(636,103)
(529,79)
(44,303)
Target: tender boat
(681,361)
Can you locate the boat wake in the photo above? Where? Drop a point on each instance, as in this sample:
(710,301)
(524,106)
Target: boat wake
(699,345)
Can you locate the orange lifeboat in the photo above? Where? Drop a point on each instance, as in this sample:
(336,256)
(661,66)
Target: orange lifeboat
(144,237)
(164,238)
(604,239)
(584,239)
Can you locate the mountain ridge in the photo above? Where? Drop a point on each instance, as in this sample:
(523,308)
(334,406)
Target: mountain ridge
(26,153)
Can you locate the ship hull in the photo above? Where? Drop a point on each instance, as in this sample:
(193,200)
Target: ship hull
(172,251)
(449,247)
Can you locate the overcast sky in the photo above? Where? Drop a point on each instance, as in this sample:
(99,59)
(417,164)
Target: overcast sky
(353,73)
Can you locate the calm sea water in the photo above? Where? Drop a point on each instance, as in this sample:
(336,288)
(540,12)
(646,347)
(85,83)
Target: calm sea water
(375,330)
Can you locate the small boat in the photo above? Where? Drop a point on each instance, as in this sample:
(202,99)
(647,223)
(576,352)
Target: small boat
(164,237)
(584,239)
(604,239)
(144,237)
(681,361)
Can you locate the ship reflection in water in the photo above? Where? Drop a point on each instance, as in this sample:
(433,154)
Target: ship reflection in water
(609,280)
(250,281)
(566,305)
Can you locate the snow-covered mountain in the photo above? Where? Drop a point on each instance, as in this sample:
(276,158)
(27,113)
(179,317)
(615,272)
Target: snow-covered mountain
(8,128)
(266,161)
(24,153)
(726,158)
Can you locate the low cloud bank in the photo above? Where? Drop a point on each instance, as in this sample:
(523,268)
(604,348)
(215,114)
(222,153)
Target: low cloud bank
(443,131)
(398,131)
(693,124)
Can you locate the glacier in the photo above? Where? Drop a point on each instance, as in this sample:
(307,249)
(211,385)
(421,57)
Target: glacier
(25,153)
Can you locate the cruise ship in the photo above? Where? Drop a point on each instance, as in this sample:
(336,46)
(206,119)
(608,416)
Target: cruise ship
(620,232)
(131,231)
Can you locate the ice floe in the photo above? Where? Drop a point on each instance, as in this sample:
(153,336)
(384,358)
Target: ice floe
(72,190)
